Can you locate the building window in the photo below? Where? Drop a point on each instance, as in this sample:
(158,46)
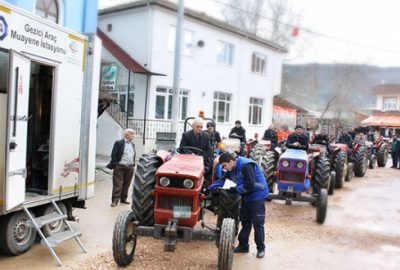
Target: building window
(389,103)
(164,103)
(188,37)
(255,111)
(48,9)
(225,53)
(221,107)
(258,63)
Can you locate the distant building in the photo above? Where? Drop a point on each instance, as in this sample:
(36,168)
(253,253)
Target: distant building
(387,111)
(225,72)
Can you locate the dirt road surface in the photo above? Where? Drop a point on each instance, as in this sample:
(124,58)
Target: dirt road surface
(362,231)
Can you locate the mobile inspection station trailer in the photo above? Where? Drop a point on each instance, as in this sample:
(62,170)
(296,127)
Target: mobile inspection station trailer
(49,79)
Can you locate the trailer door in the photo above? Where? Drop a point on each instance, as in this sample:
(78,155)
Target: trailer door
(17,122)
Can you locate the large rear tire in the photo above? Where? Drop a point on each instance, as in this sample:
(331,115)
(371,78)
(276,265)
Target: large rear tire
(339,165)
(229,207)
(226,244)
(321,175)
(382,155)
(268,162)
(322,206)
(124,239)
(257,152)
(360,162)
(16,237)
(143,186)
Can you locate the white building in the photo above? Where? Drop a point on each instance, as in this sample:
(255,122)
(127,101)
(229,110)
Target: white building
(228,74)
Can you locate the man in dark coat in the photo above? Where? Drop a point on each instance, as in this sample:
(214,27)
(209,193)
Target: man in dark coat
(271,135)
(238,132)
(352,133)
(122,162)
(215,138)
(297,140)
(345,138)
(199,139)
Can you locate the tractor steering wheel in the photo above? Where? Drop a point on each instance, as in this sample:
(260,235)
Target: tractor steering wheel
(189,150)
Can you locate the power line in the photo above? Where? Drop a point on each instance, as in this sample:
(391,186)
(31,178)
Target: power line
(312,32)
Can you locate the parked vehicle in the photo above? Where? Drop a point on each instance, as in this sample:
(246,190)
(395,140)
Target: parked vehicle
(304,177)
(169,198)
(48,118)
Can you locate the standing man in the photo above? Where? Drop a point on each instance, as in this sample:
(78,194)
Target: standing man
(271,135)
(239,132)
(395,143)
(123,163)
(352,133)
(252,186)
(298,140)
(199,139)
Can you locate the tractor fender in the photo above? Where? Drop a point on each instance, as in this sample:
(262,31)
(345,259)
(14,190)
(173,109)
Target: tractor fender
(164,155)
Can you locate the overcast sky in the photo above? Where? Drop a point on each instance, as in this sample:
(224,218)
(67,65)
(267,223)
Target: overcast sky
(364,24)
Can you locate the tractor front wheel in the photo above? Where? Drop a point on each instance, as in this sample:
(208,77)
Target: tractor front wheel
(322,206)
(226,244)
(350,172)
(382,155)
(124,239)
(332,183)
(372,162)
(228,207)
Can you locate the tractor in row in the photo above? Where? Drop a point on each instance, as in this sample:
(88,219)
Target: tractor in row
(169,201)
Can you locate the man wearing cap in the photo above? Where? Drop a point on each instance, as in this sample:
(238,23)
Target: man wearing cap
(239,132)
(123,163)
(252,186)
(297,140)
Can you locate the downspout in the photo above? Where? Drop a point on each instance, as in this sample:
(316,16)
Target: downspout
(145,109)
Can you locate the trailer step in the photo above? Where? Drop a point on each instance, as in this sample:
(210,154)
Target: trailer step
(60,237)
(57,238)
(44,220)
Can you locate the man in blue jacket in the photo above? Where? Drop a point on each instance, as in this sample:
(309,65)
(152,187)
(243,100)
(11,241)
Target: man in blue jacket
(252,186)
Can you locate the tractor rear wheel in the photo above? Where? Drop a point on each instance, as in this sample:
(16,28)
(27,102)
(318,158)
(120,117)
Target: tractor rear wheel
(226,244)
(268,162)
(228,207)
(124,239)
(360,162)
(339,165)
(322,205)
(321,175)
(143,186)
(256,153)
(382,155)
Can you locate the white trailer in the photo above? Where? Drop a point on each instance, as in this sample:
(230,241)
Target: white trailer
(49,79)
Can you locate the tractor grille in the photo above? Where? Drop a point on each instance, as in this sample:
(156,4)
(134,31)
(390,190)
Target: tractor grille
(292,177)
(168,202)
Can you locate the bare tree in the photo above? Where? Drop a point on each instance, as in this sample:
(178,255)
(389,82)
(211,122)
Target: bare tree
(272,21)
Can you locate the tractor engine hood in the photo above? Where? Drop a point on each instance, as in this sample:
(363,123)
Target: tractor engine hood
(295,154)
(190,166)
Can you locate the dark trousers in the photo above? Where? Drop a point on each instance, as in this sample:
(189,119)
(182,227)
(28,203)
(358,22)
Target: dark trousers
(122,177)
(395,159)
(252,214)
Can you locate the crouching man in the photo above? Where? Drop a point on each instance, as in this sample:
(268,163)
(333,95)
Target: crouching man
(252,186)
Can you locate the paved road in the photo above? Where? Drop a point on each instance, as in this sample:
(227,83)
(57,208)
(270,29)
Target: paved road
(362,231)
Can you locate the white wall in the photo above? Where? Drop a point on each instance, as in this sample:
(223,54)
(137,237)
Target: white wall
(108,131)
(202,75)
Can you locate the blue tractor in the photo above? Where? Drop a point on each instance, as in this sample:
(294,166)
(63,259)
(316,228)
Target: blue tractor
(305,177)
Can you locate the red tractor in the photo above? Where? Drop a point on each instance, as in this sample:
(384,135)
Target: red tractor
(169,199)
(340,163)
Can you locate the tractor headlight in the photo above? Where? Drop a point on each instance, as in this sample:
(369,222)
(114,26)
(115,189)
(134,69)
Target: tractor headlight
(164,181)
(285,163)
(300,165)
(188,183)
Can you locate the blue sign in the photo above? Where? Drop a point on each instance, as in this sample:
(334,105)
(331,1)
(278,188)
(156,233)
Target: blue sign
(3,28)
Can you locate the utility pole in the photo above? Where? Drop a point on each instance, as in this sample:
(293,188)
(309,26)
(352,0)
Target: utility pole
(177,68)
